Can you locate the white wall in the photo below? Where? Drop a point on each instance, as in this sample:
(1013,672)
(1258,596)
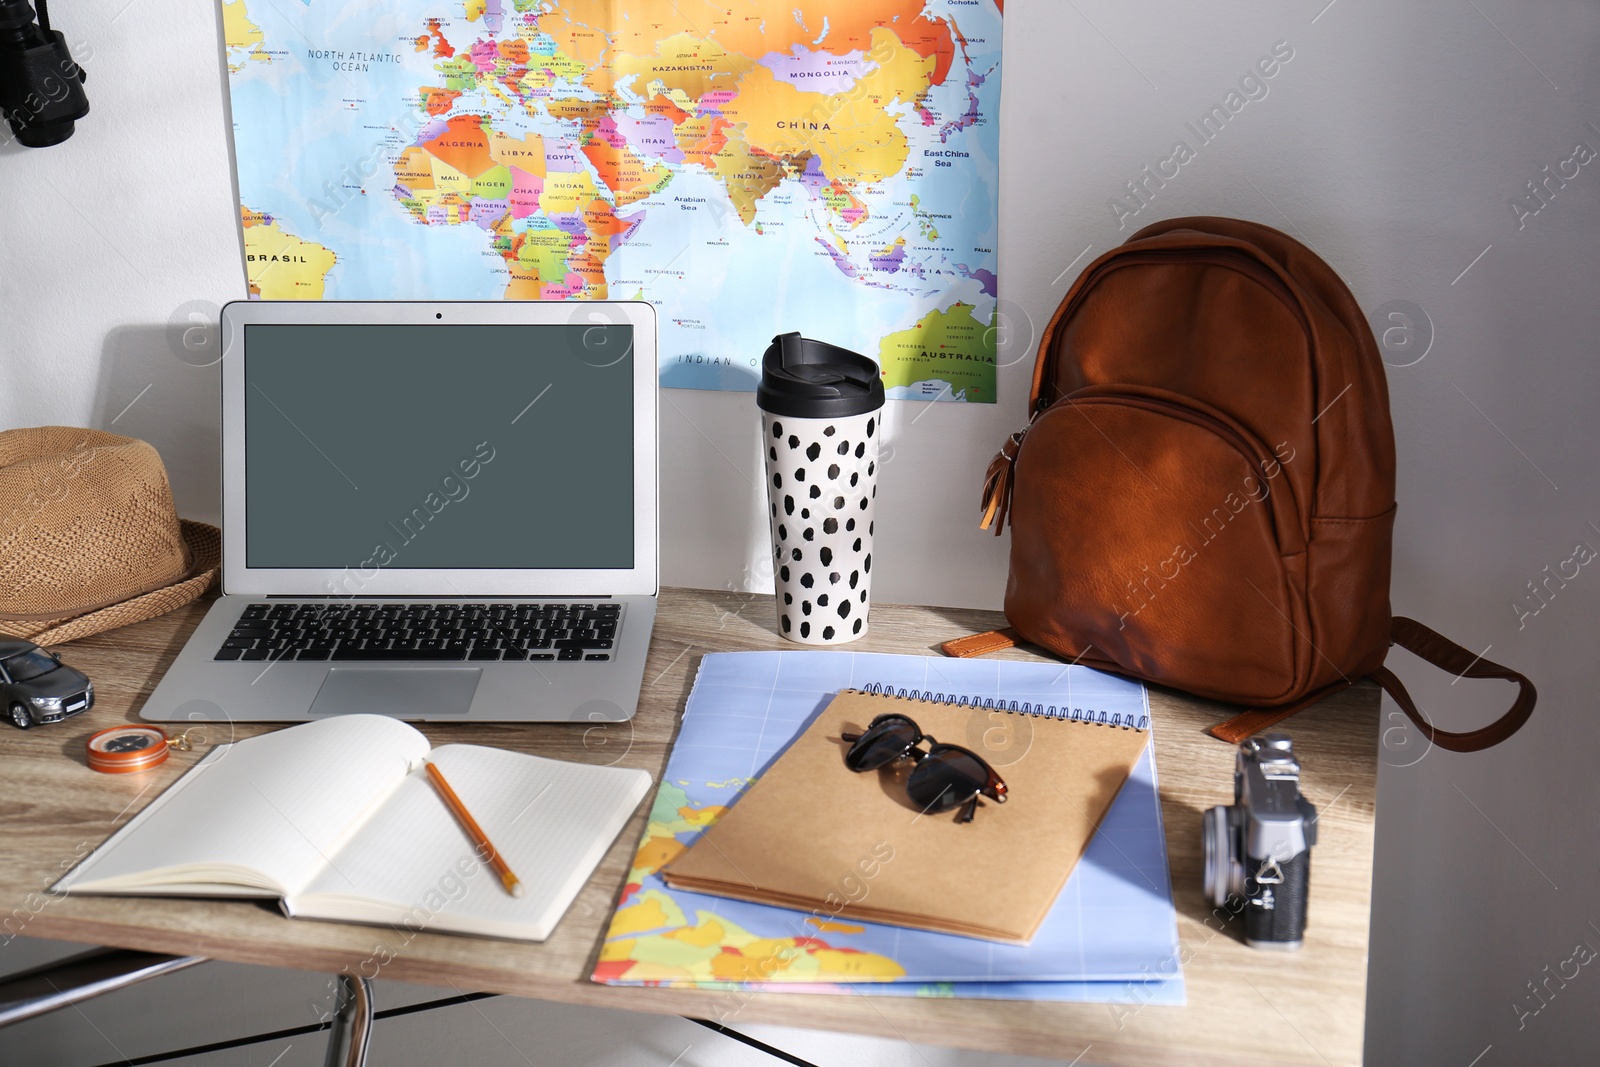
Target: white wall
(1392,143)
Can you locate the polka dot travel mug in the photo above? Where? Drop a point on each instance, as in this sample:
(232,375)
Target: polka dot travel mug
(821,414)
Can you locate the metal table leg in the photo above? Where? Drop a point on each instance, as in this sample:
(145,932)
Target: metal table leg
(90,974)
(351,1032)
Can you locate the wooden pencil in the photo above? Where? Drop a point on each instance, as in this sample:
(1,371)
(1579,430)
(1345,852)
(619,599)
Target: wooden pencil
(480,840)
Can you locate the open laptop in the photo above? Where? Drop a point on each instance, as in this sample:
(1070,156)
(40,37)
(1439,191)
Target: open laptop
(437,511)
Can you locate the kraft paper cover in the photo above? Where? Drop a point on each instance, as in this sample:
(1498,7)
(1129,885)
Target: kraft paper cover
(811,834)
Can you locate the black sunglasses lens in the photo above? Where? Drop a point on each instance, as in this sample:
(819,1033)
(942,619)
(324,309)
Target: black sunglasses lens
(946,779)
(886,740)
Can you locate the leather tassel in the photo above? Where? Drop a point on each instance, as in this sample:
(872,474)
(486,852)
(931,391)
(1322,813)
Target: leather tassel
(997,484)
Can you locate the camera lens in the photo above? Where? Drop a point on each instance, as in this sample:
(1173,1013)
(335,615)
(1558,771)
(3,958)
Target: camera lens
(1217,858)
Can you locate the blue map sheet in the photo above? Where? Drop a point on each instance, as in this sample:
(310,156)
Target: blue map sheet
(1111,936)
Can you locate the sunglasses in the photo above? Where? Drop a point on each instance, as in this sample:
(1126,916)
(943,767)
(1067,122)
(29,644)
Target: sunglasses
(945,776)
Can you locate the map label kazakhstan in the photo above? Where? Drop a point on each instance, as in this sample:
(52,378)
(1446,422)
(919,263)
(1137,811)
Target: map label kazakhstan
(748,166)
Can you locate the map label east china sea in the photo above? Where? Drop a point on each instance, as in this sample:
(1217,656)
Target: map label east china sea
(750,167)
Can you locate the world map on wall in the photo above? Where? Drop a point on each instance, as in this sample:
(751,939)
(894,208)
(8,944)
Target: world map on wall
(750,167)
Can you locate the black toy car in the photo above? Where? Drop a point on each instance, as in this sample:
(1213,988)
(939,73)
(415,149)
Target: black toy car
(35,686)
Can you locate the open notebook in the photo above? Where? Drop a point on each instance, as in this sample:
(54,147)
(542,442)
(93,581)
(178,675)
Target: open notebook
(337,818)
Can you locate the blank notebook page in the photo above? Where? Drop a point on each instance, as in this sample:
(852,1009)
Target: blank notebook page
(552,821)
(278,804)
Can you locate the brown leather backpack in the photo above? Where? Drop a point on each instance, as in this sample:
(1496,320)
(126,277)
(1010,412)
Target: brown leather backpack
(1204,498)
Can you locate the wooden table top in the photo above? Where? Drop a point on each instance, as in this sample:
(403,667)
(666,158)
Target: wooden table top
(54,810)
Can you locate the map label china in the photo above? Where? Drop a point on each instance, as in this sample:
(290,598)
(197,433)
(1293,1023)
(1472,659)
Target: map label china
(750,167)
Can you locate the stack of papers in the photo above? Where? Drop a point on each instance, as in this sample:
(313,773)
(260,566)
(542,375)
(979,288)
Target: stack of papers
(1111,934)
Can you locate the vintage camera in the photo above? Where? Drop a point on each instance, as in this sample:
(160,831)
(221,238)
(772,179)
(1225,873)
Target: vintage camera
(1259,847)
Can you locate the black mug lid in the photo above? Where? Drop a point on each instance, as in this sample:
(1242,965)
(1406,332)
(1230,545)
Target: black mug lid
(807,379)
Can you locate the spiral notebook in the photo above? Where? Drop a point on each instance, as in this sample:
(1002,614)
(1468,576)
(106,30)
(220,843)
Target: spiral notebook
(1110,936)
(810,823)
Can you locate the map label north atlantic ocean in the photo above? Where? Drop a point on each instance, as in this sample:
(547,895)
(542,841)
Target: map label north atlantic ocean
(749,166)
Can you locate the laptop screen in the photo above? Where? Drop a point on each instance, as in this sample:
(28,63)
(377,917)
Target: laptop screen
(441,447)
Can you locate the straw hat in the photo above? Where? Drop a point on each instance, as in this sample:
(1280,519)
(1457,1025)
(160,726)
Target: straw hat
(89,536)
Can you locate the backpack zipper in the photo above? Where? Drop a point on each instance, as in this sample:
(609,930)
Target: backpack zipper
(1185,410)
(1001,475)
(1232,259)
(1284,511)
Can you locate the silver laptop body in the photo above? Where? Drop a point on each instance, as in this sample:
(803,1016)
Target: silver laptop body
(478,477)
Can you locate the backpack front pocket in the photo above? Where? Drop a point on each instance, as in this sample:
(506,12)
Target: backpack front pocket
(1158,538)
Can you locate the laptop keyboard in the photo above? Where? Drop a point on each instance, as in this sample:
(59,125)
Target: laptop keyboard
(415,632)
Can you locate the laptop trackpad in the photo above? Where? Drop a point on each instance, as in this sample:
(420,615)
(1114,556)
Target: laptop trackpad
(400,692)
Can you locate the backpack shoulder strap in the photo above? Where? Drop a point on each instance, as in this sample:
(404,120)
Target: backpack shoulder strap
(1445,654)
(1409,634)
(1438,650)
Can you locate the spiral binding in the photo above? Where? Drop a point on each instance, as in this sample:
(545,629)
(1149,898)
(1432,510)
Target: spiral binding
(1092,716)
